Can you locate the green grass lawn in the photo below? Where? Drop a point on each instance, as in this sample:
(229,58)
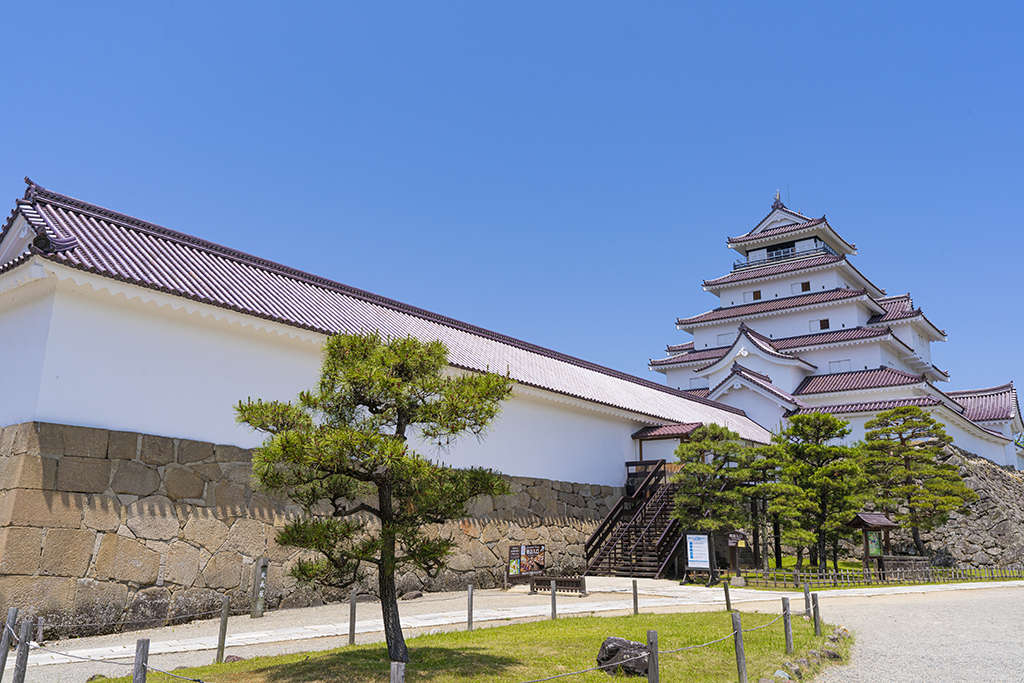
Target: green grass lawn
(524,652)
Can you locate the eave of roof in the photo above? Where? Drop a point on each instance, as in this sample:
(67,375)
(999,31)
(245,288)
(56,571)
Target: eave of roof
(775,305)
(745,242)
(666,431)
(857,380)
(763,344)
(764,382)
(991,404)
(127,249)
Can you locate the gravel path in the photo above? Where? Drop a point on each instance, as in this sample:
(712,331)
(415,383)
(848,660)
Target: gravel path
(937,637)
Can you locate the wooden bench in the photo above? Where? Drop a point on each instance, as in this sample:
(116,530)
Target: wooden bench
(563,584)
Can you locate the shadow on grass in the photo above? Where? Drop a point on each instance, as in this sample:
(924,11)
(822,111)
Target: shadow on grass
(372,664)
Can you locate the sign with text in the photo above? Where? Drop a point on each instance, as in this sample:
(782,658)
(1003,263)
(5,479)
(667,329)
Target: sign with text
(525,560)
(698,555)
(874,543)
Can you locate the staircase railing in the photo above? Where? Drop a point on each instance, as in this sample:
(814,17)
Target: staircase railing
(655,470)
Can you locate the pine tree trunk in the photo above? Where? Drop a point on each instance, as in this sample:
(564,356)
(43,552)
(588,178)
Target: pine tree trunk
(397,651)
(822,552)
(777,533)
(916,533)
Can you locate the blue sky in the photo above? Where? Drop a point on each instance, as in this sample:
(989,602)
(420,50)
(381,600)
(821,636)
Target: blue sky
(565,173)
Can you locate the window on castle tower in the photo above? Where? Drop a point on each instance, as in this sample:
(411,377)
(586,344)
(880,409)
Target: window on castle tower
(818,325)
(800,287)
(752,296)
(840,365)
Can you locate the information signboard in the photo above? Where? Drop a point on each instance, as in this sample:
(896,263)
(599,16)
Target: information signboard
(874,543)
(698,554)
(525,560)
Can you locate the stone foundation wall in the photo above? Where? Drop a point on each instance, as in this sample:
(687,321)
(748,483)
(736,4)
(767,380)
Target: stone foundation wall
(103,527)
(992,533)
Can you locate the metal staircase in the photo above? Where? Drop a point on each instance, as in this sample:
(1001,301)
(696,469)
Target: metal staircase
(639,538)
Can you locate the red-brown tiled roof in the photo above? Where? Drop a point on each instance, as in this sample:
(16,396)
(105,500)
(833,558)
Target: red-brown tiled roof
(900,308)
(666,431)
(830,337)
(772,232)
(678,348)
(691,356)
(119,247)
(771,305)
(781,344)
(774,269)
(761,342)
(985,405)
(756,378)
(868,406)
(856,380)
(703,393)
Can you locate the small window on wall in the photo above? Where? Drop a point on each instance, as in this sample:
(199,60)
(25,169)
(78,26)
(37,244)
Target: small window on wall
(726,339)
(800,287)
(698,382)
(752,296)
(840,365)
(819,325)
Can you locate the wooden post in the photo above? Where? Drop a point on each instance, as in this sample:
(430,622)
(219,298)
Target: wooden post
(652,658)
(141,660)
(352,617)
(259,588)
(21,659)
(728,602)
(817,615)
(469,616)
(5,639)
(741,659)
(788,624)
(225,610)
(636,603)
(807,601)
(39,630)
(554,609)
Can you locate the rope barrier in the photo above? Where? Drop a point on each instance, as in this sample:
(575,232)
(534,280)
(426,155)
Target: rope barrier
(748,630)
(697,647)
(583,671)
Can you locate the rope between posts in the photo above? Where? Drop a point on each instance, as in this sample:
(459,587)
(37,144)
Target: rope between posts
(695,647)
(168,673)
(748,630)
(583,671)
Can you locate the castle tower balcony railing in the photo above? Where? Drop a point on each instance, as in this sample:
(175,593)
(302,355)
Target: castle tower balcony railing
(777,255)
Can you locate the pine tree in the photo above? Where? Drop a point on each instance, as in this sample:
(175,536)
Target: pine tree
(343,452)
(902,448)
(829,475)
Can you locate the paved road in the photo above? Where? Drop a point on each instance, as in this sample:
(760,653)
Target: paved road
(899,623)
(935,637)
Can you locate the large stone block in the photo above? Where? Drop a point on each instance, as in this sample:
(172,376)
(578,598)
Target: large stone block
(20,549)
(181,483)
(84,475)
(182,564)
(201,603)
(231,454)
(35,595)
(205,530)
(194,451)
(97,603)
(27,507)
(157,450)
(247,536)
(125,559)
(84,442)
(102,513)
(223,571)
(124,445)
(153,518)
(135,478)
(239,473)
(28,471)
(229,501)
(149,608)
(66,552)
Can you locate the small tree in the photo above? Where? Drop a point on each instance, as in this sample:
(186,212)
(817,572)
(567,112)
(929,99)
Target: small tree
(829,474)
(342,452)
(902,446)
(713,470)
